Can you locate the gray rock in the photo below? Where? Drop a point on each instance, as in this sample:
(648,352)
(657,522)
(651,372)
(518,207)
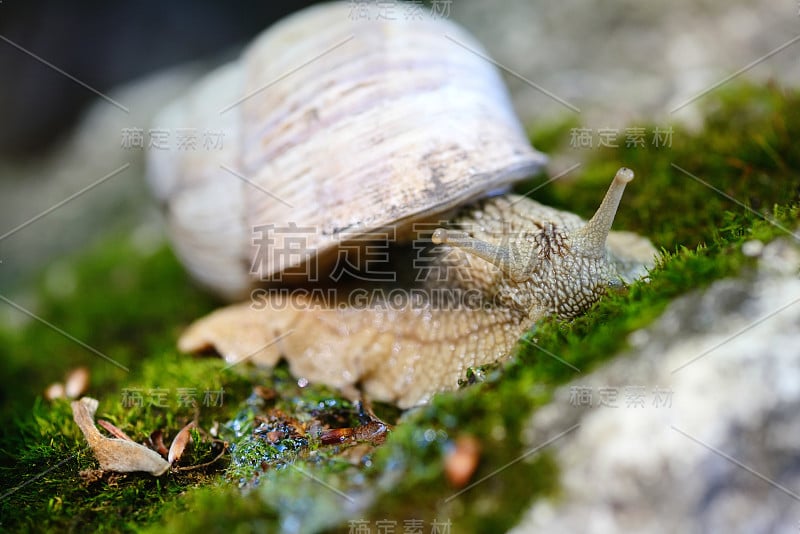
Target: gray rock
(625,61)
(704,434)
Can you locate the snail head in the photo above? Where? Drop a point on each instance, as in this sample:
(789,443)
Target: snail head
(568,268)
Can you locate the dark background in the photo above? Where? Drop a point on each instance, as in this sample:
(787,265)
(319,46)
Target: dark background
(104,44)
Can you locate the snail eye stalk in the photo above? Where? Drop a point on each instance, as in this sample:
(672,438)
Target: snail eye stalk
(591,239)
(499,256)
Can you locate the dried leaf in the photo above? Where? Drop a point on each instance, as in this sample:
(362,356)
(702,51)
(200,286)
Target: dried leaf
(115,454)
(113,430)
(90,476)
(461,462)
(275,436)
(374,432)
(265,393)
(336,435)
(157,442)
(180,442)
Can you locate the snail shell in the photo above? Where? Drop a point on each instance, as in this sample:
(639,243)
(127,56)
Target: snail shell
(343,125)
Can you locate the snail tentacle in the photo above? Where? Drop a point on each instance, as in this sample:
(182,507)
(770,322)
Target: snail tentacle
(591,239)
(500,256)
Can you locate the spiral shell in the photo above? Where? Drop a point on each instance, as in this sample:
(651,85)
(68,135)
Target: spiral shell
(340,125)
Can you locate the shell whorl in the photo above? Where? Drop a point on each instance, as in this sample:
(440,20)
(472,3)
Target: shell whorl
(340,125)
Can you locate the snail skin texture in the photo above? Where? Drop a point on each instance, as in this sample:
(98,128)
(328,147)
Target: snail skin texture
(397,123)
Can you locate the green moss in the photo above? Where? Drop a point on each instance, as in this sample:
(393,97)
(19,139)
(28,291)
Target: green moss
(112,310)
(550,137)
(131,306)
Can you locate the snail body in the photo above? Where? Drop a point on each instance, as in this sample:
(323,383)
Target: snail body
(380,133)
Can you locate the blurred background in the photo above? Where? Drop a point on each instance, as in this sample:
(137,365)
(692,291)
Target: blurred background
(76,74)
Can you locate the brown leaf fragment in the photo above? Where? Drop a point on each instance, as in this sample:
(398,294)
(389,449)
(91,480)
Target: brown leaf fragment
(156,442)
(373,432)
(113,430)
(336,435)
(461,462)
(275,436)
(265,393)
(115,454)
(180,442)
(90,476)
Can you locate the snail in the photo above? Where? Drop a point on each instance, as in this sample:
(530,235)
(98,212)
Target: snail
(339,131)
